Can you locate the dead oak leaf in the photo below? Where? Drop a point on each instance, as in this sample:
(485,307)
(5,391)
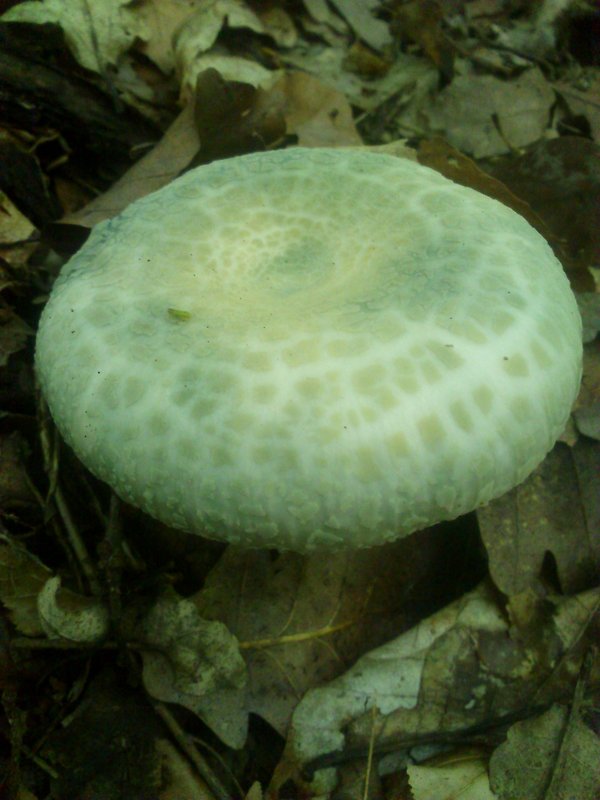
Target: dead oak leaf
(301,620)
(555,510)
(550,756)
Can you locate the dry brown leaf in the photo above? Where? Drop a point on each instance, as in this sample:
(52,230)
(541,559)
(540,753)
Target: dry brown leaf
(97,32)
(589,306)
(302,620)
(14,227)
(16,489)
(22,576)
(234,118)
(108,748)
(194,40)
(560,180)
(550,757)
(14,333)
(318,115)
(360,16)
(419,21)
(587,408)
(485,116)
(420,682)
(464,669)
(584,98)
(439,155)
(161,19)
(556,510)
(165,161)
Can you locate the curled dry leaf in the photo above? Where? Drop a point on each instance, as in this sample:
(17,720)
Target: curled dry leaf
(97,32)
(70,616)
(195,38)
(201,23)
(234,118)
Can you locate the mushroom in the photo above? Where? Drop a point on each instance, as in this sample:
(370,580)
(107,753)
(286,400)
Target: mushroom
(311,348)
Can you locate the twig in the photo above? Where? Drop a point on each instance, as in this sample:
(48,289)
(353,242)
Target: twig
(370,755)
(77,543)
(191,752)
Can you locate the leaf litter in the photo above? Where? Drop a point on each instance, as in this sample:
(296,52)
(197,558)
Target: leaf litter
(364,671)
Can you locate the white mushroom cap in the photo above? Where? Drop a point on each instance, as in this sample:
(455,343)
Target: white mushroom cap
(311,347)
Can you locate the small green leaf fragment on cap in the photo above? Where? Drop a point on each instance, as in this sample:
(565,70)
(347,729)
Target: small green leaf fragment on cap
(179,313)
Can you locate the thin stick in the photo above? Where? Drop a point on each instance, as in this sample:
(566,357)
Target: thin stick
(191,752)
(370,755)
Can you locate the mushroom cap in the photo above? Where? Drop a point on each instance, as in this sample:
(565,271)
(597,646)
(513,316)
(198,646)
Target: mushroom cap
(311,348)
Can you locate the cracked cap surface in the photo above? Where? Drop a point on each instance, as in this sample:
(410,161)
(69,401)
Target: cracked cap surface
(311,348)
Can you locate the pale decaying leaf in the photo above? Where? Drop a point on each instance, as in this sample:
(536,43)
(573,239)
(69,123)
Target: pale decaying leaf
(589,307)
(71,616)
(97,32)
(360,15)
(22,576)
(14,226)
(462,667)
(556,510)
(321,13)
(162,18)
(407,77)
(195,38)
(386,679)
(254,792)
(461,775)
(188,659)
(549,757)
(536,37)
(484,116)
(231,68)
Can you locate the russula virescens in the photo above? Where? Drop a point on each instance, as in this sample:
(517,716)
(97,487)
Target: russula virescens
(311,347)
